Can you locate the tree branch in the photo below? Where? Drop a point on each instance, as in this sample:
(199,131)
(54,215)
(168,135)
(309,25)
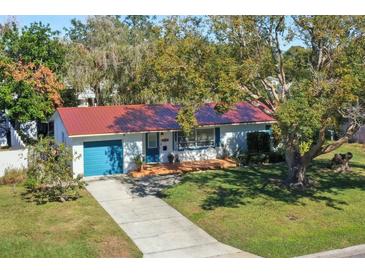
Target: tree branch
(351,130)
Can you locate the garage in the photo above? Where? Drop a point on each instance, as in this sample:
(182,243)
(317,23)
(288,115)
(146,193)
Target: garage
(103,158)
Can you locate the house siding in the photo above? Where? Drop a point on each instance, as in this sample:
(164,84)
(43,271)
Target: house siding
(132,146)
(59,130)
(232,136)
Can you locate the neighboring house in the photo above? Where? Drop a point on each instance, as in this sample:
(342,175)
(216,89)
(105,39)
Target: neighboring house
(106,139)
(16,156)
(9,137)
(86,98)
(4,131)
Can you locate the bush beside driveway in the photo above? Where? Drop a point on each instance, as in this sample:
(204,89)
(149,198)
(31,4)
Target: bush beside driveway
(243,208)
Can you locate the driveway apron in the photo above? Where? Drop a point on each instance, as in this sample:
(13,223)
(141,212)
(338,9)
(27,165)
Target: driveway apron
(156,228)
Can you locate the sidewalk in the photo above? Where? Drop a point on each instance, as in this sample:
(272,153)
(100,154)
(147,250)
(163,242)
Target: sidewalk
(356,251)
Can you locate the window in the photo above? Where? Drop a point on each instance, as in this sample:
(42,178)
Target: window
(63,137)
(258,142)
(198,138)
(152,140)
(51,128)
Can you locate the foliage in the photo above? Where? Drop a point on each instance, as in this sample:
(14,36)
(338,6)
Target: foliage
(50,176)
(307,89)
(13,176)
(139,161)
(171,158)
(36,43)
(245,159)
(28,92)
(192,60)
(107,56)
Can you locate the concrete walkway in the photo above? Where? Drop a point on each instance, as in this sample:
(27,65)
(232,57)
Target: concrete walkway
(356,251)
(155,227)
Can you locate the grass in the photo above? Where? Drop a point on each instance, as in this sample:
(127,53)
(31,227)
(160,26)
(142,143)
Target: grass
(240,207)
(78,228)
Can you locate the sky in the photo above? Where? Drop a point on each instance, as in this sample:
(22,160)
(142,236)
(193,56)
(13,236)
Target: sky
(57,22)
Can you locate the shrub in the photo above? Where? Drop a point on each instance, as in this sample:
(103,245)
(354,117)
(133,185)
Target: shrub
(258,158)
(50,176)
(276,157)
(13,176)
(138,160)
(171,158)
(241,159)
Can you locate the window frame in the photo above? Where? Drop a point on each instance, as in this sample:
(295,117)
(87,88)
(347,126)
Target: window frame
(196,146)
(148,140)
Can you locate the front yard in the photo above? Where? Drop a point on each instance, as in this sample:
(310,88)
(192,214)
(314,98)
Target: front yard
(78,228)
(241,208)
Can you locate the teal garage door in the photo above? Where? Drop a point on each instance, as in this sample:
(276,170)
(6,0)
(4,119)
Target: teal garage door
(103,158)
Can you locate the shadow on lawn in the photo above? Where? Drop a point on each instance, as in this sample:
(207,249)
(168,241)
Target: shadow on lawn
(236,187)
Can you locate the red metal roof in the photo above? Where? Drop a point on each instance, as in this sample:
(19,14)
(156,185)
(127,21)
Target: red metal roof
(142,118)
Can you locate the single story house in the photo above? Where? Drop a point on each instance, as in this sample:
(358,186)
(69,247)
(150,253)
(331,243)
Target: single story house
(106,139)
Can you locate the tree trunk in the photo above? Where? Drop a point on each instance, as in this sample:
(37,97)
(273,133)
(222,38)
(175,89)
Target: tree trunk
(297,167)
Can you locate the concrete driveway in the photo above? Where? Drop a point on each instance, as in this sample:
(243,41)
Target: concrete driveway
(156,228)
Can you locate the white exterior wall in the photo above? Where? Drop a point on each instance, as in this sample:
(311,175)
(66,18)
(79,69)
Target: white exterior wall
(132,146)
(60,129)
(234,137)
(187,155)
(165,141)
(13,159)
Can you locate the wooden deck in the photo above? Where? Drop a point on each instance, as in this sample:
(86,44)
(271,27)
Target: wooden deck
(183,167)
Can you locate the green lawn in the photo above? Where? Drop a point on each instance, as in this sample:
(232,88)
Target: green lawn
(72,229)
(241,208)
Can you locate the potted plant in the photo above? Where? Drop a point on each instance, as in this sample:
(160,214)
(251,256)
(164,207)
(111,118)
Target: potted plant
(171,158)
(138,160)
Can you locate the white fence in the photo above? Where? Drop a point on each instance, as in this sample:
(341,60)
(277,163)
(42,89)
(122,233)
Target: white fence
(13,159)
(16,141)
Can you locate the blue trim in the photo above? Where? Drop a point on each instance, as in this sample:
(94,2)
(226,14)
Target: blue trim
(153,154)
(217,136)
(174,137)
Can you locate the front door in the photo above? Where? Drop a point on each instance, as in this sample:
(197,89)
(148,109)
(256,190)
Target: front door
(152,147)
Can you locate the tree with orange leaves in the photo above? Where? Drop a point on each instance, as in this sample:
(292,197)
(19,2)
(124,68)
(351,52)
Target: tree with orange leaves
(28,92)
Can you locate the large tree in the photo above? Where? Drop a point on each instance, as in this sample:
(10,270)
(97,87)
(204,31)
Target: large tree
(28,92)
(36,43)
(31,64)
(308,90)
(106,54)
